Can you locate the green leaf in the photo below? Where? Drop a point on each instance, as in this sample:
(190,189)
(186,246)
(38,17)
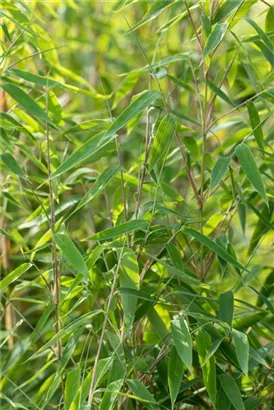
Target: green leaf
(175,375)
(215,248)
(143,394)
(215,37)
(119,230)
(71,327)
(223,403)
(135,108)
(203,342)
(250,169)
(162,141)
(156,8)
(218,91)
(13,165)
(262,34)
(219,170)
(232,391)
(225,9)
(15,274)
(72,385)
(71,253)
(111,394)
(226,307)
(87,151)
(212,350)
(242,349)
(182,340)
(269,21)
(256,124)
(26,101)
(129,278)
(99,185)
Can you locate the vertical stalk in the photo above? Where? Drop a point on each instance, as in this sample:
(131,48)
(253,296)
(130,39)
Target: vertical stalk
(56,276)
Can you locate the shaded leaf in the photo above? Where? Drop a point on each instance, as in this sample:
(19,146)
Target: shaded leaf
(143,394)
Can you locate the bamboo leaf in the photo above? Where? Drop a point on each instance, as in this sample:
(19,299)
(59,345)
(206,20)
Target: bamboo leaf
(72,385)
(135,108)
(214,39)
(119,230)
(220,251)
(143,394)
(203,342)
(14,275)
(226,307)
(232,391)
(219,170)
(71,253)
(256,124)
(162,141)
(95,145)
(26,101)
(13,165)
(175,375)
(242,349)
(250,169)
(100,183)
(182,340)
(129,278)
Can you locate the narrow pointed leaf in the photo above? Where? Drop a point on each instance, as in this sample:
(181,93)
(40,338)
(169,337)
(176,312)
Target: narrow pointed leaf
(215,38)
(71,253)
(15,274)
(182,340)
(175,375)
(214,247)
(232,391)
(135,108)
(13,165)
(226,307)
(219,170)
(26,101)
(256,124)
(120,230)
(129,278)
(99,185)
(162,141)
(242,349)
(250,169)
(95,145)
(72,386)
(143,394)
(203,342)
